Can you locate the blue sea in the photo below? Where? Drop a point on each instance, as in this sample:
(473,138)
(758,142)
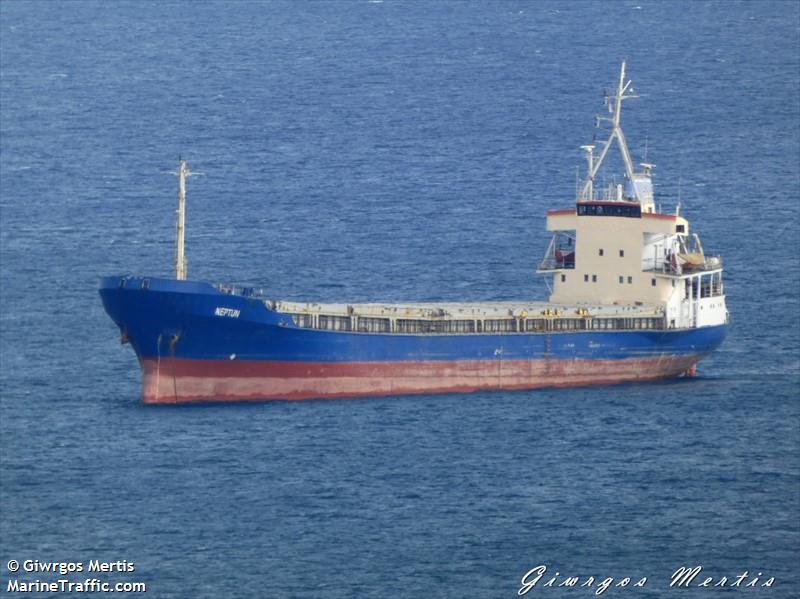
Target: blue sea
(390,150)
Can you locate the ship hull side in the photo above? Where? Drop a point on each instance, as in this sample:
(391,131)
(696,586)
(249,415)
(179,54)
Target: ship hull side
(191,351)
(179,381)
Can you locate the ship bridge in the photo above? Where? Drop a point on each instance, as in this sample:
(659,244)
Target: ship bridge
(614,248)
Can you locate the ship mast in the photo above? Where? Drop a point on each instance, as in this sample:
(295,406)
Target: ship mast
(180,227)
(616,133)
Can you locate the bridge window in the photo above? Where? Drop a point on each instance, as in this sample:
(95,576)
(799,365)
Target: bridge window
(610,209)
(601,251)
(622,253)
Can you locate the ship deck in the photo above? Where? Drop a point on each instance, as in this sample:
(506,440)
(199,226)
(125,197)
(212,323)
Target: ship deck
(513,316)
(458,310)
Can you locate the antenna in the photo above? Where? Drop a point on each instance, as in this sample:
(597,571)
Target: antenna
(180,225)
(624,92)
(588,190)
(678,207)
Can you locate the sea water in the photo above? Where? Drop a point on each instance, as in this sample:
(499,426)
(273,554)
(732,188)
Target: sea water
(367,151)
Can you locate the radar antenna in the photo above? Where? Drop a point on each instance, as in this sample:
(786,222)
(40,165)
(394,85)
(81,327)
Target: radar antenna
(614,103)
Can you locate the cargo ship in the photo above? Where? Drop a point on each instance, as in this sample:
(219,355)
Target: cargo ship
(634,297)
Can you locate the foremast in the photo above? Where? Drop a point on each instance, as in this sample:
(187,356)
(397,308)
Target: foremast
(180,225)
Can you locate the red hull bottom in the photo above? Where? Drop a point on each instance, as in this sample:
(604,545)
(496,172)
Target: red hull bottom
(168,380)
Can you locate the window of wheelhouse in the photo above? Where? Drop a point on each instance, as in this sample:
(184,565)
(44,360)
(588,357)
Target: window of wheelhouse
(610,209)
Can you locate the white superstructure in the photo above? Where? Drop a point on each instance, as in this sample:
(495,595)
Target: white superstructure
(615,249)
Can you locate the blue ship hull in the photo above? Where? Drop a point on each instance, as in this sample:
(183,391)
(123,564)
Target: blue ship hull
(196,343)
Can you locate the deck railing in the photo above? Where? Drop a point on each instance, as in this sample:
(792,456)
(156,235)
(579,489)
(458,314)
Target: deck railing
(240,290)
(668,266)
(486,326)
